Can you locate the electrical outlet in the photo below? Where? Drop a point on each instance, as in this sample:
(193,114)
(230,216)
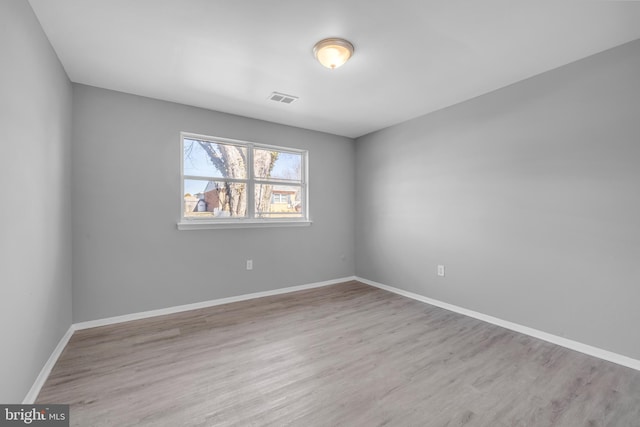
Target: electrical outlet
(441,270)
(249,264)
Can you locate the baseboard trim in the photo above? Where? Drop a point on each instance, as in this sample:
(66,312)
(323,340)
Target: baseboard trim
(46,369)
(203,304)
(554,339)
(31,396)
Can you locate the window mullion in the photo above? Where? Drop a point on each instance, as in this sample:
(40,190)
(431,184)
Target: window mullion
(280,183)
(206,178)
(277,182)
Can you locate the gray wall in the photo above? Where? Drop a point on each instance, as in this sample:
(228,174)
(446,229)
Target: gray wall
(35,230)
(530,196)
(128,254)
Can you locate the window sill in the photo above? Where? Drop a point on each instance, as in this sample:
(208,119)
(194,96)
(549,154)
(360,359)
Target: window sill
(206,225)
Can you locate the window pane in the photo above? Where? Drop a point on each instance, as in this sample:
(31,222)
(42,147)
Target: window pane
(215,160)
(278,201)
(214,199)
(271,164)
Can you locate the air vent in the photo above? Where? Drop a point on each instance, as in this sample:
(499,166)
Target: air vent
(281,97)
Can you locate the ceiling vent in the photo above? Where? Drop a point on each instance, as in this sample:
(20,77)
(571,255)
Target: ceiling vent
(281,97)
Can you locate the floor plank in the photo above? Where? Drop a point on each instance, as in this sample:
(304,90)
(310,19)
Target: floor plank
(347,354)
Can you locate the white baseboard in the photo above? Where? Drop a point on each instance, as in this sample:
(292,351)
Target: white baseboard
(46,369)
(204,304)
(554,339)
(31,396)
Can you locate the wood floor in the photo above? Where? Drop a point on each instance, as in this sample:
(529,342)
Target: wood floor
(342,355)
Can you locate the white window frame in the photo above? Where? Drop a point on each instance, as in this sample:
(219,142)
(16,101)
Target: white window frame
(186,223)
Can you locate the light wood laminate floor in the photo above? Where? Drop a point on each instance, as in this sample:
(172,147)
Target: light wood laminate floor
(342,355)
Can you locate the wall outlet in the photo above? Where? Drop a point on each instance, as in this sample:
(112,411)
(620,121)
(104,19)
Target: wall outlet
(249,264)
(441,270)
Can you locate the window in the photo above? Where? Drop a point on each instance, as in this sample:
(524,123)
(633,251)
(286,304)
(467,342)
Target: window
(280,198)
(237,183)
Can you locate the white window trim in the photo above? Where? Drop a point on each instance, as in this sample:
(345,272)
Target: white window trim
(202,224)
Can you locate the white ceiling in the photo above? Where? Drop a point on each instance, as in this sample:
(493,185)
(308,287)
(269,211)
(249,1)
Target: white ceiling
(412,56)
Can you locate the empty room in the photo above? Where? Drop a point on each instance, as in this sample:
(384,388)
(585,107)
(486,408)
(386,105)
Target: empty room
(304,213)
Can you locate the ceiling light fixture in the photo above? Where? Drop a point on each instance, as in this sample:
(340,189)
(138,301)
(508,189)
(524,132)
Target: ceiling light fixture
(333,52)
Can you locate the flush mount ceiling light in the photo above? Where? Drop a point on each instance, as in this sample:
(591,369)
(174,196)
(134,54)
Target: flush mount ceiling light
(333,52)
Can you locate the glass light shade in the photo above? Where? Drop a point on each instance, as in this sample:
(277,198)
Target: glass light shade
(333,53)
